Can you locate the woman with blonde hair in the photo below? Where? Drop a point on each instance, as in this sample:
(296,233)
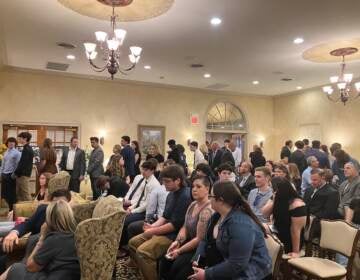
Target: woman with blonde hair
(115,166)
(295,177)
(54,256)
(153,152)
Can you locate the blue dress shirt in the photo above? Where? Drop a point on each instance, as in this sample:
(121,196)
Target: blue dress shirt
(10,161)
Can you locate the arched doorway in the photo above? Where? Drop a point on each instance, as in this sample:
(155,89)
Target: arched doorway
(226,121)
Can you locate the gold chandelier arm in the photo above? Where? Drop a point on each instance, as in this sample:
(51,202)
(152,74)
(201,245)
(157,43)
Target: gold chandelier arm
(97,68)
(333,99)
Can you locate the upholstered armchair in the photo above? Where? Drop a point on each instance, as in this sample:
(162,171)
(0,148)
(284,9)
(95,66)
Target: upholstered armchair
(97,237)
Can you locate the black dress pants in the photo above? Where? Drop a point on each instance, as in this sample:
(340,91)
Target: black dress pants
(8,190)
(179,269)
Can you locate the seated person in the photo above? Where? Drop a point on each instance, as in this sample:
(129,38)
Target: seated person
(260,196)
(321,199)
(148,247)
(43,191)
(353,214)
(176,264)
(350,188)
(115,186)
(204,169)
(239,239)
(54,256)
(246,180)
(137,198)
(33,225)
(289,215)
(226,172)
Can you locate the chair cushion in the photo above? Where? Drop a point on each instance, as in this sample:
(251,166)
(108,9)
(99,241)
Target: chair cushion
(322,268)
(107,205)
(287,257)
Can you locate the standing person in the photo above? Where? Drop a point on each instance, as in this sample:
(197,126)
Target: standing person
(149,246)
(24,168)
(116,163)
(8,167)
(205,151)
(174,152)
(321,156)
(192,232)
(73,161)
(257,158)
(289,215)
(295,177)
(128,155)
(215,155)
(286,151)
(298,156)
(237,236)
(306,146)
(236,153)
(153,152)
(198,156)
(259,197)
(135,146)
(47,158)
(95,167)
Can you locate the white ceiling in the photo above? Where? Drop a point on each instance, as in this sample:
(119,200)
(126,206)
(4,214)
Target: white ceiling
(254,42)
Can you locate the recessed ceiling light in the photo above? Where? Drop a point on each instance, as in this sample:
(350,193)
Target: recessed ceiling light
(255,82)
(299,87)
(207,75)
(216,21)
(298,40)
(70,56)
(147,67)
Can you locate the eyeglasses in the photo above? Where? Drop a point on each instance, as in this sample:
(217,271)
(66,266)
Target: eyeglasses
(211,196)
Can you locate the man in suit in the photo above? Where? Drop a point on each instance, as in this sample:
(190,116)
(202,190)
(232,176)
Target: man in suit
(246,181)
(286,151)
(33,225)
(95,167)
(298,157)
(24,168)
(227,156)
(322,199)
(128,155)
(216,155)
(73,161)
(350,188)
(321,156)
(174,152)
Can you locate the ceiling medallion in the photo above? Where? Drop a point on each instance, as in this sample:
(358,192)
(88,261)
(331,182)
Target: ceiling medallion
(127,10)
(345,90)
(116,3)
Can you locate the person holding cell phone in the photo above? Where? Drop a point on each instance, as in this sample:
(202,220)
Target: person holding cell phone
(176,265)
(240,240)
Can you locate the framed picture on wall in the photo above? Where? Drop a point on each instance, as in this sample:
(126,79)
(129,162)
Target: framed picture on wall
(151,134)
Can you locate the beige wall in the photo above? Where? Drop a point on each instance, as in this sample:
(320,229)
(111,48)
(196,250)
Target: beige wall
(311,115)
(119,107)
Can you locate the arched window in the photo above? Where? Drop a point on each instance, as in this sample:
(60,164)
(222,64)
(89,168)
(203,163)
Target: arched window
(225,116)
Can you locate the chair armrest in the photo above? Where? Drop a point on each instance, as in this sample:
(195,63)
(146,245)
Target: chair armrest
(25,209)
(97,242)
(84,211)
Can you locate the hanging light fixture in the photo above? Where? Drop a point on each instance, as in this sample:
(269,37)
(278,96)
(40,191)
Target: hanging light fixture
(110,44)
(343,90)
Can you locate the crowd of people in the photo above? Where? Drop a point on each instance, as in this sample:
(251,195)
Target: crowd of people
(210,222)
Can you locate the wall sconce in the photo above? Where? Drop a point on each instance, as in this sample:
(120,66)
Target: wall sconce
(102,135)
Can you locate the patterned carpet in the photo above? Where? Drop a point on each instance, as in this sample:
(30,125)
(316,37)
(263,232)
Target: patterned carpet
(126,273)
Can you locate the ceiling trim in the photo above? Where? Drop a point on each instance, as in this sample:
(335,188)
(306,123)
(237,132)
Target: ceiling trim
(8,68)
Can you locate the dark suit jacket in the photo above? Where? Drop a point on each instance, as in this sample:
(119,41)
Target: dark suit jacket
(324,203)
(34,223)
(79,162)
(298,157)
(216,159)
(247,187)
(128,155)
(348,191)
(25,164)
(285,152)
(95,167)
(227,157)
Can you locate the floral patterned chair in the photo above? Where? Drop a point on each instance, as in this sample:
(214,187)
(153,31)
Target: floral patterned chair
(97,236)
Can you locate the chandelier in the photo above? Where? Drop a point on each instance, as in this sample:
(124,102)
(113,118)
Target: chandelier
(109,45)
(345,91)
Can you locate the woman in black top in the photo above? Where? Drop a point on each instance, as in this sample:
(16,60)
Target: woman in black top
(54,256)
(153,152)
(257,158)
(135,146)
(289,215)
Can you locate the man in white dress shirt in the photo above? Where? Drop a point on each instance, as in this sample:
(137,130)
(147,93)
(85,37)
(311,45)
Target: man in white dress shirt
(198,155)
(136,198)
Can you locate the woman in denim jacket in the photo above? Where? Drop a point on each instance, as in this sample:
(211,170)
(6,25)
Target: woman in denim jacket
(239,238)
